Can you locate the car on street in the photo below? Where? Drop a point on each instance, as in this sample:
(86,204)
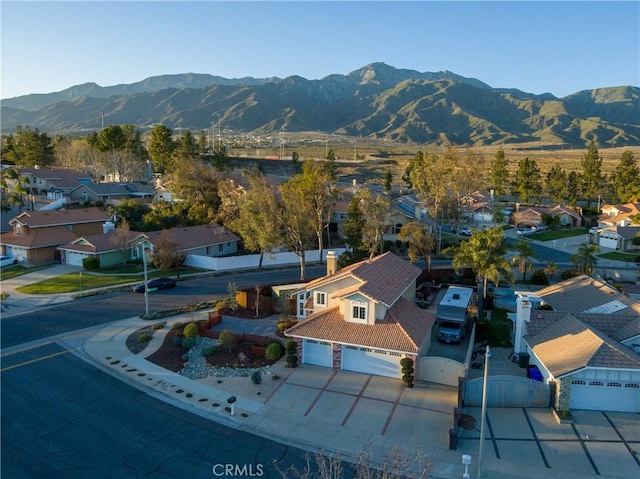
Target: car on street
(525,231)
(154,284)
(7,261)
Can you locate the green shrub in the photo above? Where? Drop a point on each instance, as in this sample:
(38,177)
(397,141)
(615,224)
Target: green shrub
(158,325)
(188,342)
(406,362)
(227,339)
(539,277)
(144,338)
(291,347)
(292,361)
(185,357)
(256,377)
(569,273)
(190,330)
(91,263)
(208,350)
(177,326)
(273,352)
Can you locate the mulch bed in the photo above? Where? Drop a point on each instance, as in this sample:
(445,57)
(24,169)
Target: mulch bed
(169,356)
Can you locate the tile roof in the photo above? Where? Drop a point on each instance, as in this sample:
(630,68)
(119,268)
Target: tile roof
(565,344)
(120,189)
(383,278)
(40,218)
(98,243)
(404,329)
(583,293)
(61,177)
(191,237)
(39,238)
(623,212)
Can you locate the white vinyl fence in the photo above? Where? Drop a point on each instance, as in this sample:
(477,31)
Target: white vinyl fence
(252,261)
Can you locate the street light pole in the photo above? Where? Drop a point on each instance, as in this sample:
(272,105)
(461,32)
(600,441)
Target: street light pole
(484,408)
(146,285)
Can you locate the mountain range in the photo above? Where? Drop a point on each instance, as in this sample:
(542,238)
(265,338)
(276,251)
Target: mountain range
(377,101)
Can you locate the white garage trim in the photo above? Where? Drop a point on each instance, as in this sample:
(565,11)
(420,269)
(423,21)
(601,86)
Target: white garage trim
(603,395)
(319,353)
(371,361)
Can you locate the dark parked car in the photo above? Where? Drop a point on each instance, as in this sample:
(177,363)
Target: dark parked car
(157,283)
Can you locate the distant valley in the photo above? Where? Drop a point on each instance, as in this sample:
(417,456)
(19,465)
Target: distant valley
(375,101)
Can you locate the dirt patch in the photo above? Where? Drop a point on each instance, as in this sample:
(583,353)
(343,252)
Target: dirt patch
(169,356)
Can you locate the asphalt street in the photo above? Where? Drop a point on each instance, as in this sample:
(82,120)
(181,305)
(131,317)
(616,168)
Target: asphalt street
(62,418)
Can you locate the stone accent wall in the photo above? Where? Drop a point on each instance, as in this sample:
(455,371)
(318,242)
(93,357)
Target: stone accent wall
(337,356)
(563,395)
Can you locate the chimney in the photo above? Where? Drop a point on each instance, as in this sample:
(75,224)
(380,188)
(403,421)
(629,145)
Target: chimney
(332,262)
(108,226)
(523,315)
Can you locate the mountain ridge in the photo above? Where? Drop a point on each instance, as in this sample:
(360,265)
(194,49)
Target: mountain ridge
(376,100)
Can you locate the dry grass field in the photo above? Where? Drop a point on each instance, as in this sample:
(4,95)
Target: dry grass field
(367,160)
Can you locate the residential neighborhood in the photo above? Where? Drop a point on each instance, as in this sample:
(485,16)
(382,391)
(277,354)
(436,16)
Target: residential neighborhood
(386,263)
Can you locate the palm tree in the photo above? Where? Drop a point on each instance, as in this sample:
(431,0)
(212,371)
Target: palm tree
(524,258)
(551,269)
(585,260)
(484,254)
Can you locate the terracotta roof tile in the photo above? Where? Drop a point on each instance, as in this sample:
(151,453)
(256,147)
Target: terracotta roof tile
(191,237)
(405,328)
(383,278)
(41,219)
(39,238)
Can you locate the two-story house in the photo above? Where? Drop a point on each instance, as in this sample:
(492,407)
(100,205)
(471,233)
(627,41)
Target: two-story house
(585,342)
(36,235)
(363,317)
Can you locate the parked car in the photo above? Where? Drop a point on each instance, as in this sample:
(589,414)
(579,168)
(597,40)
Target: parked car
(465,231)
(154,284)
(7,261)
(525,231)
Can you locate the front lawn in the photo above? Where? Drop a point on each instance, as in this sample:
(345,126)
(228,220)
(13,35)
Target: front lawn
(556,235)
(15,270)
(73,282)
(497,331)
(620,256)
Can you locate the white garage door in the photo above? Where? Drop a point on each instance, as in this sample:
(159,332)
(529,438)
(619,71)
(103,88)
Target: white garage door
(371,361)
(318,353)
(74,258)
(608,242)
(605,396)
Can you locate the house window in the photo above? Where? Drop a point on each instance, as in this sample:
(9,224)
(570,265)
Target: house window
(134,252)
(359,311)
(596,383)
(18,229)
(208,251)
(321,298)
(398,228)
(220,248)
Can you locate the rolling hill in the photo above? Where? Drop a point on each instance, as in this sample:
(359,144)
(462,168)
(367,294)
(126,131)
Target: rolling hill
(376,101)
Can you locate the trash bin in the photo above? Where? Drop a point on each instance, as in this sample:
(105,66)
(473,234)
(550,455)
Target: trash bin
(453,439)
(523,360)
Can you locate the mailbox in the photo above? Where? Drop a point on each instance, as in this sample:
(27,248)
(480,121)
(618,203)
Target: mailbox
(231,400)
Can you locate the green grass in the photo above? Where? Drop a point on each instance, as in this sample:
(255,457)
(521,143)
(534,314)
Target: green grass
(18,270)
(70,283)
(498,331)
(559,234)
(620,256)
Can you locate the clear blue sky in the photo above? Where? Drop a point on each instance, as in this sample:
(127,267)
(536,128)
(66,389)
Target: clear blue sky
(538,47)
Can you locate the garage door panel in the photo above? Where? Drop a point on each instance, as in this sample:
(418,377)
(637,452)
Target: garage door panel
(605,396)
(318,353)
(371,361)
